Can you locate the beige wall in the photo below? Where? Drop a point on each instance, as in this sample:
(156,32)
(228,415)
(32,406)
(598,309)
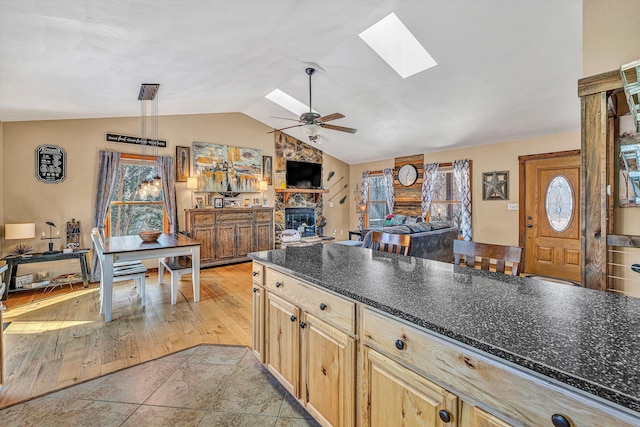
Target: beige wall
(610,35)
(490,220)
(27,200)
(337,214)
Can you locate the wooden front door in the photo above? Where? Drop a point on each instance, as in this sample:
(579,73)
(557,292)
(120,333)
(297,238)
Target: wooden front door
(552,215)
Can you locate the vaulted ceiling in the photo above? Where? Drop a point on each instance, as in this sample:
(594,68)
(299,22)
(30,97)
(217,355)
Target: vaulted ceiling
(506,69)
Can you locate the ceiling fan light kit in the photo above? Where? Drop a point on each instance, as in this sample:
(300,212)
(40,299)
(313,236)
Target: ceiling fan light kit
(311,121)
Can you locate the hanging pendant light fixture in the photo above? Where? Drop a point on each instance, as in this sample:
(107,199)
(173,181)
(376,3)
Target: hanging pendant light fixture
(149,188)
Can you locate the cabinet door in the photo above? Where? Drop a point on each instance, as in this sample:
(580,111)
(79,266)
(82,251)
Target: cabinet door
(472,416)
(327,372)
(225,241)
(399,397)
(258,322)
(205,237)
(264,236)
(282,342)
(244,239)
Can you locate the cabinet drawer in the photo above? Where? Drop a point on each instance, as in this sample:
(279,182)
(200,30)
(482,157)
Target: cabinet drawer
(257,273)
(512,392)
(234,216)
(202,218)
(330,308)
(264,216)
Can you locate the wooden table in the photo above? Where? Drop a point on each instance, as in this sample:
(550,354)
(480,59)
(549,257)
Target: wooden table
(14,261)
(127,248)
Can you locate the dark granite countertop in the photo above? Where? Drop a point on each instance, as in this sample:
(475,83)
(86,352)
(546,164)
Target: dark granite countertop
(584,338)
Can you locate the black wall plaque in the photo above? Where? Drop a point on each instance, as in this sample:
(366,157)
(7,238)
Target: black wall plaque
(51,164)
(136,140)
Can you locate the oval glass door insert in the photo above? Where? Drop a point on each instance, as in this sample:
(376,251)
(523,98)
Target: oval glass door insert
(559,203)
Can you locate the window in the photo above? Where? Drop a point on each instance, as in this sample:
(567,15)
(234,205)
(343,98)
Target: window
(377,204)
(128,214)
(445,204)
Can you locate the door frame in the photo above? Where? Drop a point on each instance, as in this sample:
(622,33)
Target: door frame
(522,194)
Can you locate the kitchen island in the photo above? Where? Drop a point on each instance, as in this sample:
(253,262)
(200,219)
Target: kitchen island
(509,348)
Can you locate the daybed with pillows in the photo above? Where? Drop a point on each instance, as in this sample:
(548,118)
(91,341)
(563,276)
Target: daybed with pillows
(431,240)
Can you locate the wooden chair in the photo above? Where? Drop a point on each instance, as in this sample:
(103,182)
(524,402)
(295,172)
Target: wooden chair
(394,243)
(176,266)
(499,253)
(122,270)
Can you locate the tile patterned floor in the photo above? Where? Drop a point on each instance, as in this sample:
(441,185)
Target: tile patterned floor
(209,385)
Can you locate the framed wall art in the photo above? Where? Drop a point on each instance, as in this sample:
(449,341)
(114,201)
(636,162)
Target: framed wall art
(267,169)
(200,202)
(495,185)
(226,167)
(182,163)
(51,164)
(218,202)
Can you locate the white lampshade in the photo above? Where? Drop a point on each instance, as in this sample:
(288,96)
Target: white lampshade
(310,130)
(263,186)
(19,231)
(192,183)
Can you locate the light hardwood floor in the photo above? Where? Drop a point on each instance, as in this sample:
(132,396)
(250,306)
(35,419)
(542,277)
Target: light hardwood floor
(63,340)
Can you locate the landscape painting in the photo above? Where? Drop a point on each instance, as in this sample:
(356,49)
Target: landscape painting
(221,168)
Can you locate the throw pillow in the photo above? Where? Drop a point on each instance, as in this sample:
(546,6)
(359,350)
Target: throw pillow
(398,219)
(422,226)
(387,220)
(438,225)
(411,220)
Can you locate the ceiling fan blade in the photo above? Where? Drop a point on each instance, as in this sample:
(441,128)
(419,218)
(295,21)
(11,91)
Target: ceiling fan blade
(339,128)
(284,118)
(329,117)
(277,130)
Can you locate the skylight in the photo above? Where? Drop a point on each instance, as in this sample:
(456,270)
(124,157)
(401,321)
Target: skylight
(390,39)
(287,101)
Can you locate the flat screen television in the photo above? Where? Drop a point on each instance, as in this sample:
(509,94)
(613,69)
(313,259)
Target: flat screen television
(304,175)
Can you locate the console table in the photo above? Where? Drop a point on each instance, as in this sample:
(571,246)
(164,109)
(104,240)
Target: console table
(14,261)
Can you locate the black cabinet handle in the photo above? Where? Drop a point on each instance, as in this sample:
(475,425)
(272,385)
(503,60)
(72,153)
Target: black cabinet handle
(302,325)
(293,318)
(255,290)
(560,421)
(323,307)
(529,226)
(278,284)
(255,273)
(444,415)
(400,345)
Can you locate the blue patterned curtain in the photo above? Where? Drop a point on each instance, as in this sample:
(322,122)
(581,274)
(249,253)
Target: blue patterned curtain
(108,163)
(364,197)
(390,193)
(461,173)
(167,174)
(428,184)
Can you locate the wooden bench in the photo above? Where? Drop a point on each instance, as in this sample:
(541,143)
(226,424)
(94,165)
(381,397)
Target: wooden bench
(177,266)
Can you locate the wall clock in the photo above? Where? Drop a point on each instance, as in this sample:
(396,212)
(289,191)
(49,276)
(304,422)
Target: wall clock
(407,175)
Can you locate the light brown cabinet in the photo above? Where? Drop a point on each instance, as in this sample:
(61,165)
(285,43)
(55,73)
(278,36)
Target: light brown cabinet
(257,337)
(309,347)
(407,376)
(228,235)
(398,396)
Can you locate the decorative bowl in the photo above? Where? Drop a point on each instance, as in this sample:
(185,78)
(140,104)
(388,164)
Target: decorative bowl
(149,236)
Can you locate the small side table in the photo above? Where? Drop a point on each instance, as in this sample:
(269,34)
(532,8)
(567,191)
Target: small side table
(14,261)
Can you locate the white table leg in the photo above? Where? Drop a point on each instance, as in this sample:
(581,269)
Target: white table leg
(107,294)
(160,271)
(195,272)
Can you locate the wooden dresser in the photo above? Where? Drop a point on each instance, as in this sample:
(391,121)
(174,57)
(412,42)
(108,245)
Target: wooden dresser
(227,235)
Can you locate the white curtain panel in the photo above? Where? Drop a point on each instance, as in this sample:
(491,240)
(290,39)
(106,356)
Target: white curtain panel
(364,197)
(428,185)
(390,193)
(461,174)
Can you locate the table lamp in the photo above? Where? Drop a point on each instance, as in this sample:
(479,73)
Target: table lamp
(192,184)
(263,188)
(20,232)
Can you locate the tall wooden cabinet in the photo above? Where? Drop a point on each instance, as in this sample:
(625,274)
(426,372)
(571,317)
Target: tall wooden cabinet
(227,235)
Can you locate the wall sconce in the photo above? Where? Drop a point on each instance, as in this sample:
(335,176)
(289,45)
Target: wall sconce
(20,232)
(192,184)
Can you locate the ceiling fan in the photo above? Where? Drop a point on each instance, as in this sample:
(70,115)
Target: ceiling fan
(312,121)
